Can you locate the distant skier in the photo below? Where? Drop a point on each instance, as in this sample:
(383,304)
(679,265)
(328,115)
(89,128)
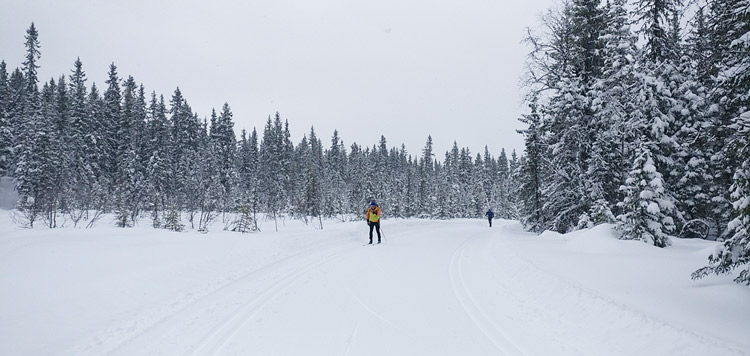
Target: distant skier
(489,214)
(373,219)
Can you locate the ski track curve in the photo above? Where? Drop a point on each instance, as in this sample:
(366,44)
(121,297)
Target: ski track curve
(653,321)
(473,309)
(553,284)
(206,301)
(223,333)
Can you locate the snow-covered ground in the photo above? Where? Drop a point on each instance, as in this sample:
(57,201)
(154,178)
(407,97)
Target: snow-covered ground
(432,288)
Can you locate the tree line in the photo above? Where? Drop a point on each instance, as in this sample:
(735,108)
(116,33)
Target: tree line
(76,153)
(638,120)
(634,119)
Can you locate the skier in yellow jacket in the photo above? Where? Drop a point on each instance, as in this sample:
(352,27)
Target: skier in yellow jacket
(373,219)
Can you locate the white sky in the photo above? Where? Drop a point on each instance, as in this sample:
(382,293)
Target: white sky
(400,68)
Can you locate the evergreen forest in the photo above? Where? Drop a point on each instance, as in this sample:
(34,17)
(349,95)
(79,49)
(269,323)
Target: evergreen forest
(638,117)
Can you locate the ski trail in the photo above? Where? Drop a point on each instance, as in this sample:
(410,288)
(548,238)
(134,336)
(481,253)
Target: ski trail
(186,314)
(215,342)
(351,339)
(376,314)
(475,311)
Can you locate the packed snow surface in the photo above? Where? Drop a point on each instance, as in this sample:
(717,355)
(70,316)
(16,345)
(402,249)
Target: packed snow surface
(454,287)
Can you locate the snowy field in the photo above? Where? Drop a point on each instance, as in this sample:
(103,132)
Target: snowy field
(432,288)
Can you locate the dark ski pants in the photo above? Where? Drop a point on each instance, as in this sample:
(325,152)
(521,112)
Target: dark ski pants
(375,225)
(490,219)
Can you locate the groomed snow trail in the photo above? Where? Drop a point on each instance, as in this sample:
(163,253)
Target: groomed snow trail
(432,288)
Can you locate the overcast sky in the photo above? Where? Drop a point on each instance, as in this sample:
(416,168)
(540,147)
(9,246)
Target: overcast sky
(404,69)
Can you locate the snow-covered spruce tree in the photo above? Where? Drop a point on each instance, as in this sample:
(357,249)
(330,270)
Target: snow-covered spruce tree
(46,151)
(655,119)
(657,87)
(412,187)
(172,220)
(503,191)
(189,139)
(14,109)
(158,169)
(381,179)
(654,17)
(181,147)
(488,179)
(514,166)
(31,128)
(613,105)
(204,179)
(401,184)
(400,178)
(505,188)
(699,48)
(111,120)
(95,150)
(314,182)
(479,196)
(355,172)
(365,169)
(735,252)
(224,146)
(82,177)
(139,144)
(194,191)
(590,27)
(255,202)
(62,145)
(129,173)
(288,164)
(118,139)
(186,138)
(567,64)
(450,196)
(469,207)
(647,204)
(531,173)
(308,199)
(690,175)
(426,190)
(397,182)
(6,138)
(441,208)
(247,169)
(273,177)
(335,193)
(721,24)
(569,144)
(108,109)
(688,172)
(733,83)
(300,161)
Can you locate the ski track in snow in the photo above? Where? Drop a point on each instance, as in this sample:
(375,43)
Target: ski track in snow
(556,302)
(142,339)
(466,289)
(469,303)
(215,342)
(351,339)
